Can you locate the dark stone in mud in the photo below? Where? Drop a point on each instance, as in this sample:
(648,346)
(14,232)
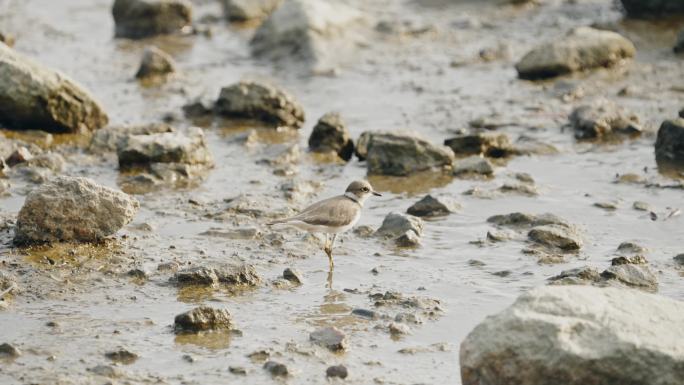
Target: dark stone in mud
(7,39)
(398,329)
(561,237)
(338,371)
(365,313)
(293,276)
(73,209)
(408,239)
(652,8)
(197,109)
(639,276)
(208,276)
(397,224)
(166,147)
(331,338)
(473,165)
(122,355)
(35,97)
(577,276)
(486,144)
(20,155)
(276,369)
(137,274)
(238,370)
(431,206)
(261,102)
(403,154)
(630,248)
(9,351)
(634,260)
(203,318)
(603,118)
(518,219)
(581,49)
(669,147)
(155,63)
(137,19)
(244,10)
(331,135)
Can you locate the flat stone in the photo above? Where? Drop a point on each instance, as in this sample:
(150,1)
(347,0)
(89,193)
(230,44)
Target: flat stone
(403,154)
(122,355)
(155,63)
(276,369)
(203,318)
(166,147)
(639,276)
(331,338)
(137,19)
(561,237)
(337,371)
(485,144)
(396,224)
(430,206)
(474,165)
(603,118)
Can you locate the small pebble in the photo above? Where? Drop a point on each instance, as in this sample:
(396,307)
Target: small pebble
(339,371)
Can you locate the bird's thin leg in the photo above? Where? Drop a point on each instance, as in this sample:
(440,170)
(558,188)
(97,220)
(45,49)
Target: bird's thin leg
(329,251)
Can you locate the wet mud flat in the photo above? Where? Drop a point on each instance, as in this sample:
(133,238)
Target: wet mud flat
(105,311)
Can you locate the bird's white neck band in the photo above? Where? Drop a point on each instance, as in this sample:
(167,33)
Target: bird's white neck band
(355,198)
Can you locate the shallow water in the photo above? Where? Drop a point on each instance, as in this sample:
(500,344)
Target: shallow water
(393,83)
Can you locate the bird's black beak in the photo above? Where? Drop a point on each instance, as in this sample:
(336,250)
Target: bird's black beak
(377,194)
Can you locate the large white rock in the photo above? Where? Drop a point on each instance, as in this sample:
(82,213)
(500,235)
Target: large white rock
(73,209)
(578,335)
(35,97)
(314,30)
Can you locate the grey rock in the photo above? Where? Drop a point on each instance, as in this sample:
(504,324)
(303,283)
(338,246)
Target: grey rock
(652,8)
(641,206)
(518,219)
(633,260)
(578,335)
(630,248)
(431,206)
(238,370)
(577,276)
(314,31)
(73,209)
(9,351)
(581,49)
(165,147)
(396,224)
(155,63)
(35,97)
(603,118)
(485,144)
(137,19)
(235,275)
(122,356)
(399,329)
(7,39)
(276,369)
(244,10)
(361,149)
(261,102)
(331,338)
(20,155)
(473,165)
(669,146)
(111,138)
(330,134)
(365,313)
(408,239)
(203,318)
(609,206)
(337,371)
(200,276)
(562,237)
(404,154)
(639,276)
(293,275)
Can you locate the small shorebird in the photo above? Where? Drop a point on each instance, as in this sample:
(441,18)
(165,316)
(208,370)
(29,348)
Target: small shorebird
(333,215)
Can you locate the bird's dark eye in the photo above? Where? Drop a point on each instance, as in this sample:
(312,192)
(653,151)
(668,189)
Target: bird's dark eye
(365,189)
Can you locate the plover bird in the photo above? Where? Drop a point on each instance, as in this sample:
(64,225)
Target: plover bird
(333,215)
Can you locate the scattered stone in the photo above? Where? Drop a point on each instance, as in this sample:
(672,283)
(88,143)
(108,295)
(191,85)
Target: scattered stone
(9,351)
(679,259)
(20,155)
(369,314)
(245,10)
(166,147)
(549,325)
(630,248)
(122,356)
(331,135)
(581,49)
(502,273)
(527,220)
(408,239)
(429,307)
(520,188)
(399,329)
(238,370)
(35,97)
(484,144)
(155,63)
(73,209)
(261,102)
(331,338)
(578,276)
(652,8)
(137,274)
(276,369)
(111,138)
(363,231)
(669,147)
(476,263)
(634,260)
(561,237)
(641,206)
(293,275)
(203,318)
(397,224)
(431,206)
(136,19)
(8,40)
(338,371)
(403,154)
(308,30)
(639,276)
(172,266)
(236,275)
(610,206)
(473,165)
(105,371)
(601,119)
